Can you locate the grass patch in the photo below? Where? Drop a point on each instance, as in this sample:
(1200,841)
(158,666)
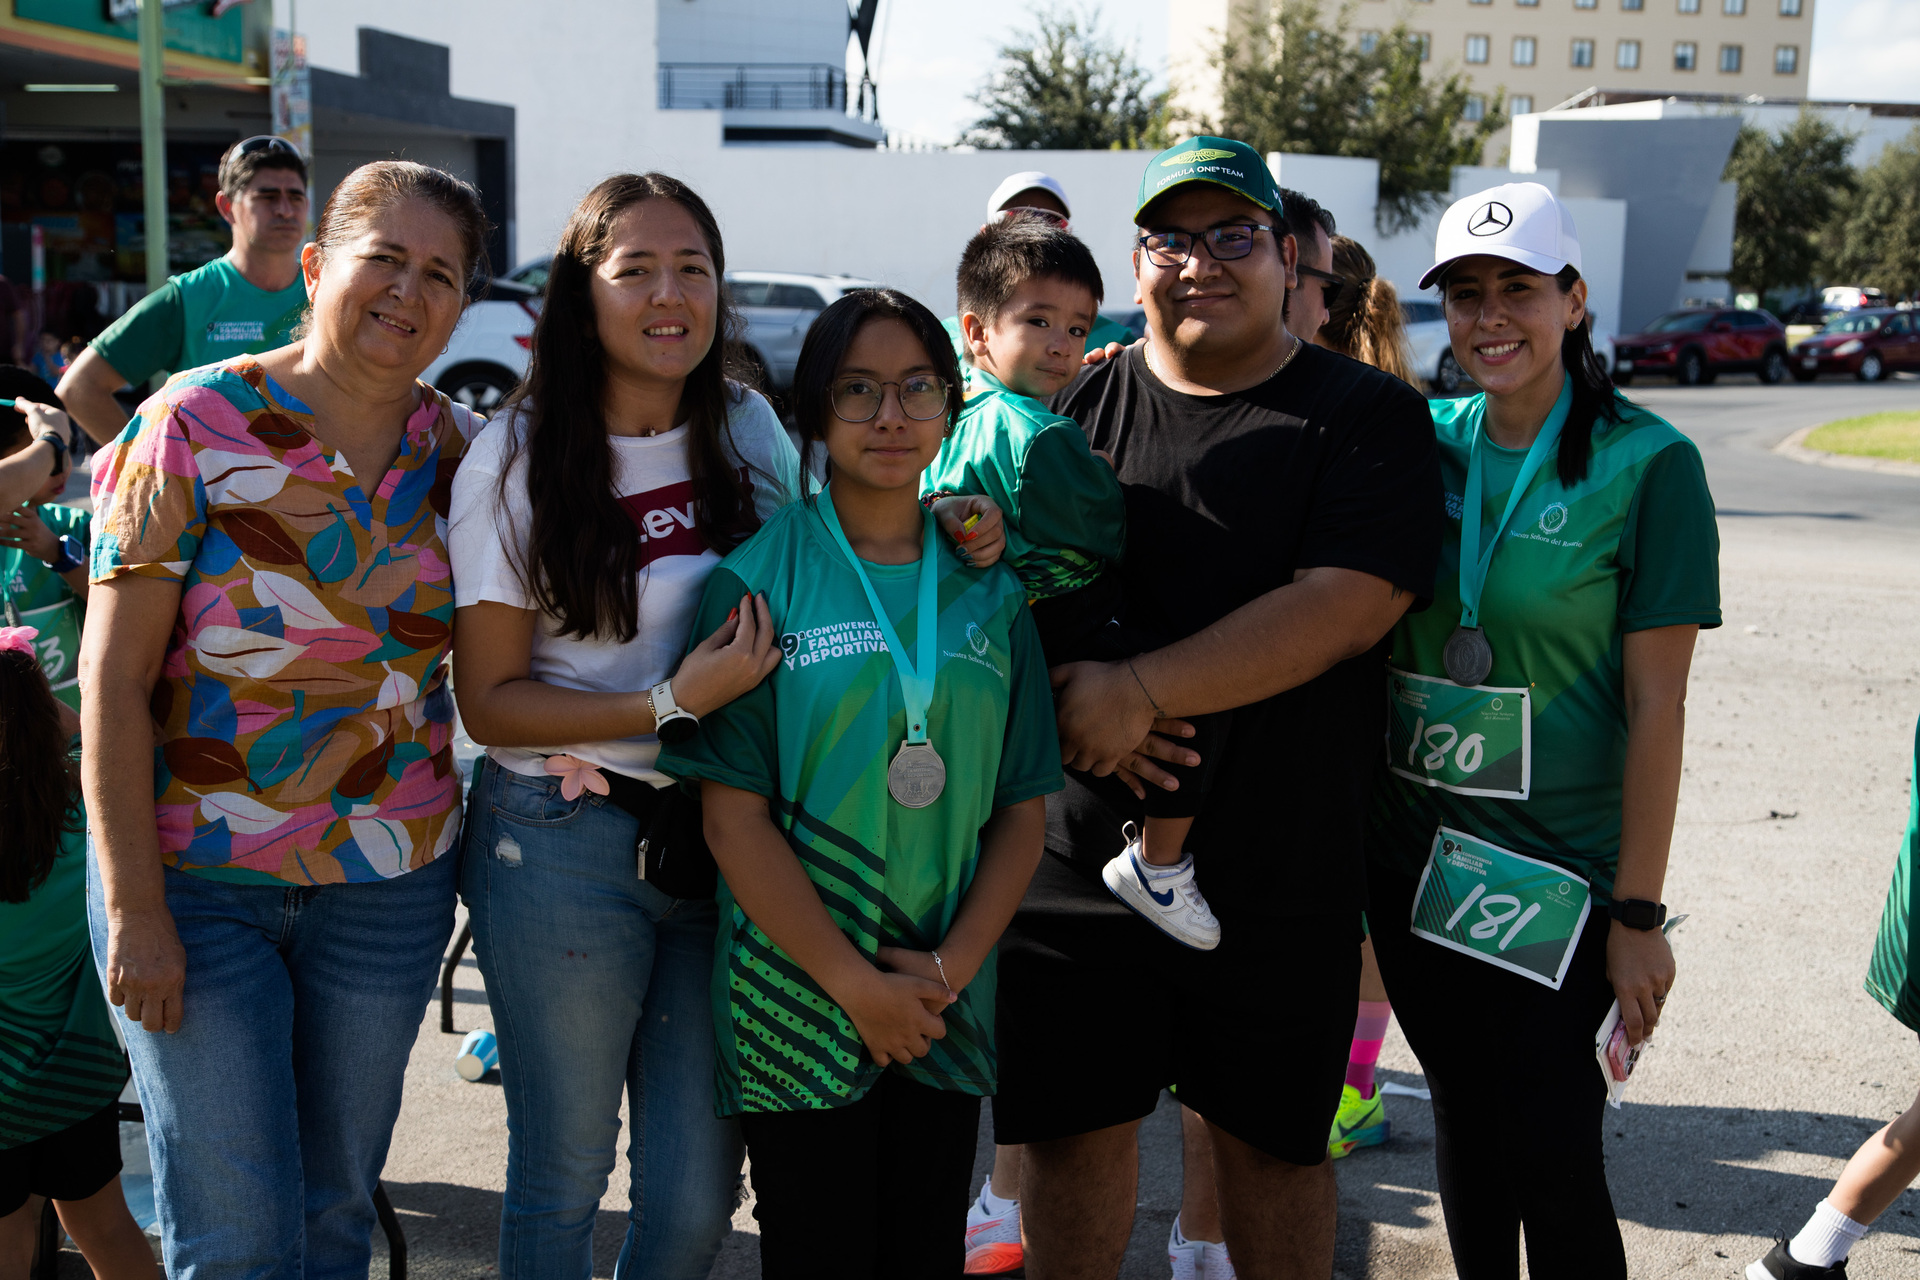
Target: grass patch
(1894,435)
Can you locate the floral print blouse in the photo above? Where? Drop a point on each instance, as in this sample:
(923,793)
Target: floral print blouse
(303,705)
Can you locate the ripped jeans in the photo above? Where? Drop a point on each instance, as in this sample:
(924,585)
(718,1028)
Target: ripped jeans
(598,982)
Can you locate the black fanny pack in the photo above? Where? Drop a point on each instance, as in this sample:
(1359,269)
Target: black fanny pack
(670,851)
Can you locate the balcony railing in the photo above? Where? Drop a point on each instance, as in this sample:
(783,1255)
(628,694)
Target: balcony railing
(753,86)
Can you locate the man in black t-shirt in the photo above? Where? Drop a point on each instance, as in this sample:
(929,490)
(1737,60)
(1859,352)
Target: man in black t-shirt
(1283,509)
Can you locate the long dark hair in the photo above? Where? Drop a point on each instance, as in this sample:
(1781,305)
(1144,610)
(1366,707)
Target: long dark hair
(39,782)
(583,547)
(826,346)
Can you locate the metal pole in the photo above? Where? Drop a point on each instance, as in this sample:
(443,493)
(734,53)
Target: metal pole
(153,137)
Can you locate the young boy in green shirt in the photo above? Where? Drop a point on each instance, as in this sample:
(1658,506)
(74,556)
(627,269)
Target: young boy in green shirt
(1029,293)
(43,553)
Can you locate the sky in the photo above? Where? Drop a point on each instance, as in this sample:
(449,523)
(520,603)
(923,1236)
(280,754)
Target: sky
(927,63)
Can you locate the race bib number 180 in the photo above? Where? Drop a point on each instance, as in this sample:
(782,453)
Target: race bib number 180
(1515,912)
(1475,741)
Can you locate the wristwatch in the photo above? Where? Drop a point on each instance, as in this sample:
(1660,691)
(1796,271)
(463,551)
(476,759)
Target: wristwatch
(72,555)
(672,722)
(59,443)
(1638,913)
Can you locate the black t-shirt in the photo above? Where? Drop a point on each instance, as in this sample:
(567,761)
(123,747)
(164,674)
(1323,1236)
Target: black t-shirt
(1329,464)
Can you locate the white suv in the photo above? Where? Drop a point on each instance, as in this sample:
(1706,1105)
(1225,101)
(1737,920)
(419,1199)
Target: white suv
(779,307)
(488,354)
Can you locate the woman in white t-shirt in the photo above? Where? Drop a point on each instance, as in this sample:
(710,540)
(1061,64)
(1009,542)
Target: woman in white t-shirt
(585,521)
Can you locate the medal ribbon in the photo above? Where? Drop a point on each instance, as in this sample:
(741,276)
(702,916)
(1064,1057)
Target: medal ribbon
(916,679)
(1474,562)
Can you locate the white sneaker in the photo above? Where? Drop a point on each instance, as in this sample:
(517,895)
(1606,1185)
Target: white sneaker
(1187,1257)
(1216,1265)
(1170,903)
(993,1239)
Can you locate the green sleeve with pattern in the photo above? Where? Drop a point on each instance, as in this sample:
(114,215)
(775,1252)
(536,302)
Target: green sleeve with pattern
(148,338)
(1030,755)
(1069,498)
(1670,548)
(736,745)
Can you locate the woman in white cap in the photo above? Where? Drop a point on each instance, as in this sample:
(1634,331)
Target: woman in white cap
(1535,743)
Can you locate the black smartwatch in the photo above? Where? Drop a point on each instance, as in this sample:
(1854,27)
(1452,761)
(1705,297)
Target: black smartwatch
(1638,913)
(72,555)
(59,444)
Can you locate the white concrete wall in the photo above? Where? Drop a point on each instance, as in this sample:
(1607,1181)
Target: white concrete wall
(1870,133)
(752,30)
(1347,187)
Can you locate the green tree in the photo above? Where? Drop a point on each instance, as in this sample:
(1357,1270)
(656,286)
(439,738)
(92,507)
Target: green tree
(1876,238)
(1307,84)
(1790,187)
(1067,87)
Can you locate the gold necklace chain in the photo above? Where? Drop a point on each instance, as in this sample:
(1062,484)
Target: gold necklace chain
(1146,353)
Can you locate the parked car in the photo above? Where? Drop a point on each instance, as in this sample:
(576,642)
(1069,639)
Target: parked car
(488,354)
(779,307)
(1433,350)
(1834,300)
(1866,344)
(1697,345)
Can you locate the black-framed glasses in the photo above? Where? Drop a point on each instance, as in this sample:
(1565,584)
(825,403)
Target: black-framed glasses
(1335,285)
(923,397)
(1224,243)
(263,142)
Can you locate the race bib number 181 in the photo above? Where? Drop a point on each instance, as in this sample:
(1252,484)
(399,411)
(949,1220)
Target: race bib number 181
(1514,912)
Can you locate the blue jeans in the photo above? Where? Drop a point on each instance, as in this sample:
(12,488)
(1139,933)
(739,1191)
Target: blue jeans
(270,1111)
(598,981)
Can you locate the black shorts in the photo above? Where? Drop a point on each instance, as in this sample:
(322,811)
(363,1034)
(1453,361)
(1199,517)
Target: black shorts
(1099,1012)
(69,1165)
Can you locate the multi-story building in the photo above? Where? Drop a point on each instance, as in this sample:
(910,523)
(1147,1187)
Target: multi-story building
(1543,52)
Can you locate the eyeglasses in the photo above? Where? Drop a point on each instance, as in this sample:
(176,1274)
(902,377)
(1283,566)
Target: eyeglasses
(1224,244)
(923,397)
(262,142)
(1334,285)
(1032,211)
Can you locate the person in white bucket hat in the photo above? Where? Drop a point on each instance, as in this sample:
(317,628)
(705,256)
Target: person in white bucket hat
(1522,825)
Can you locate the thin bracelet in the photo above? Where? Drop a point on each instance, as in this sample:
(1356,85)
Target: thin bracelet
(1143,688)
(943,971)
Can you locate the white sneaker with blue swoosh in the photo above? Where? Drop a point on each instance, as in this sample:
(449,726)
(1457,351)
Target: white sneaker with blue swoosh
(1166,897)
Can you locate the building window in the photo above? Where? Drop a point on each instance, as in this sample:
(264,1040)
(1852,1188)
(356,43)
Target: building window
(1633,5)
(1734,8)
(1730,58)
(1477,47)
(1423,41)
(1789,8)
(1689,6)
(1686,56)
(1523,51)
(1586,4)
(1479,1)
(1527,4)
(1582,53)
(1369,41)
(1786,60)
(1476,109)
(1626,55)
(1520,104)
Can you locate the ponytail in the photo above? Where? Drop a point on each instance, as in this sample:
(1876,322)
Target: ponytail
(39,782)
(1366,321)
(1595,398)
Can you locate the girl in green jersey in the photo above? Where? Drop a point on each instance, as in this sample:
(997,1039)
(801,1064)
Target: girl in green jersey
(1518,841)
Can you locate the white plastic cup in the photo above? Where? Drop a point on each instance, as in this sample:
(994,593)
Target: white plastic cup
(479,1054)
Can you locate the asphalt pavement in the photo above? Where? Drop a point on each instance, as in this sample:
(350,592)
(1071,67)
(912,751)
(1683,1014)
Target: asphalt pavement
(1771,1065)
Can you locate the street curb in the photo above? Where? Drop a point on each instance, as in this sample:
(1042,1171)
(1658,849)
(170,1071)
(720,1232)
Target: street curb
(1792,448)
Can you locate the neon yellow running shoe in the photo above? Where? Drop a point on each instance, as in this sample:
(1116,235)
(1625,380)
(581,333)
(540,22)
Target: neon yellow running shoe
(1360,1122)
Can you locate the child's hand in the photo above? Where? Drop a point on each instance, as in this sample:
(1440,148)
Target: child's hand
(982,545)
(893,1014)
(920,964)
(26,530)
(1100,355)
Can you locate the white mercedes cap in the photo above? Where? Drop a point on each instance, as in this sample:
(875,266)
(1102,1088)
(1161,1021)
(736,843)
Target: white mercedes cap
(1522,221)
(1027,181)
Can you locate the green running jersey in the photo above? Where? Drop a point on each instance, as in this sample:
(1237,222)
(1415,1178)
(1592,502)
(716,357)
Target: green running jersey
(206,316)
(1893,977)
(1066,519)
(1632,547)
(816,738)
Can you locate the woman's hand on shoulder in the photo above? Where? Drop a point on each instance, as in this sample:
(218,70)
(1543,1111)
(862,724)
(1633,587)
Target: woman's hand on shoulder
(895,1014)
(741,652)
(981,546)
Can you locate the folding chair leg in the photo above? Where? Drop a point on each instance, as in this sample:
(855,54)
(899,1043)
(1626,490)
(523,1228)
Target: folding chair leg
(396,1238)
(446,979)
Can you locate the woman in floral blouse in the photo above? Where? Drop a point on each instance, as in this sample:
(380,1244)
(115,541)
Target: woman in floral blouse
(268,886)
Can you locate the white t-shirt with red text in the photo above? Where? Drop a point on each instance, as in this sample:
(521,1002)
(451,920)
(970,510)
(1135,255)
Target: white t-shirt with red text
(488,544)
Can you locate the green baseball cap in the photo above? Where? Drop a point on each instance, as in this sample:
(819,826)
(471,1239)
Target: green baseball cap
(1231,164)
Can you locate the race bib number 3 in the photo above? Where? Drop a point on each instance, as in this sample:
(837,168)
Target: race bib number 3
(1516,912)
(1473,741)
(58,647)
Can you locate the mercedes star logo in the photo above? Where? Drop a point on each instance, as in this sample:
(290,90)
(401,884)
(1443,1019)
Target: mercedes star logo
(1491,220)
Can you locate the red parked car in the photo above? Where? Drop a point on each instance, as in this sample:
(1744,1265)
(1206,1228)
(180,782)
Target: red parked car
(1866,344)
(1696,346)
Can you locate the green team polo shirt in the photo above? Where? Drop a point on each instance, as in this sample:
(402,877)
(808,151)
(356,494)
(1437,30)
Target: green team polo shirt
(1065,516)
(815,738)
(1631,547)
(1893,976)
(210,314)
(26,578)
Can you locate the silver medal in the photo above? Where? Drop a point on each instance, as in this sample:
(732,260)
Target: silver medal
(917,775)
(1468,657)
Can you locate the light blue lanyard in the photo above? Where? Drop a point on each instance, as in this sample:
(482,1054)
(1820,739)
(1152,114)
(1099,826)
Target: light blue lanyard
(916,679)
(1473,561)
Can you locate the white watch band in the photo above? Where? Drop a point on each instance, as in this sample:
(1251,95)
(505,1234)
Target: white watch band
(660,698)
